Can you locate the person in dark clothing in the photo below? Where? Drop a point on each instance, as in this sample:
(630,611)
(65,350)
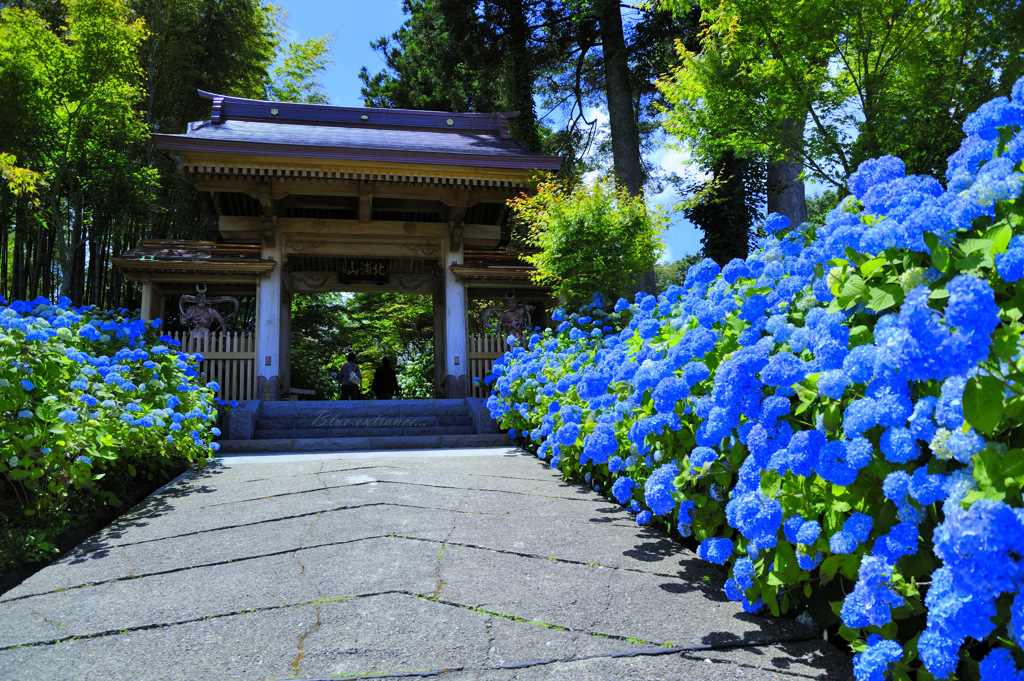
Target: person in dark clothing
(351,378)
(385,383)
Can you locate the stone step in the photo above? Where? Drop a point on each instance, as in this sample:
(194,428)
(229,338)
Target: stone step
(363,409)
(358,444)
(371,422)
(399,431)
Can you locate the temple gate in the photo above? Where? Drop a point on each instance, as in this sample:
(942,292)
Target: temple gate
(314,198)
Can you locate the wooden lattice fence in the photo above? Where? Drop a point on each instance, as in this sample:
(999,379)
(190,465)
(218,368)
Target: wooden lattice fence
(483,349)
(229,358)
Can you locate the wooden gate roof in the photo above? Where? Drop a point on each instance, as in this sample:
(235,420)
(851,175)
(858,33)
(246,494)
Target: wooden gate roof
(253,137)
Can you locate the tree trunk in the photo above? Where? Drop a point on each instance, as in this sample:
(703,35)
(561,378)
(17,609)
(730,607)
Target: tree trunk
(71,245)
(621,115)
(785,188)
(519,75)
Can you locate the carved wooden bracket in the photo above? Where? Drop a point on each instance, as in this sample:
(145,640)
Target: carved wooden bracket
(455,220)
(365,202)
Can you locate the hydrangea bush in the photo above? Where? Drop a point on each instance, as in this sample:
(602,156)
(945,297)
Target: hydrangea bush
(89,400)
(835,419)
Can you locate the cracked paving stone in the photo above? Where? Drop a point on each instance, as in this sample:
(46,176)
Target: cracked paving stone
(652,608)
(260,608)
(260,645)
(363,567)
(397,632)
(778,665)
(236,543)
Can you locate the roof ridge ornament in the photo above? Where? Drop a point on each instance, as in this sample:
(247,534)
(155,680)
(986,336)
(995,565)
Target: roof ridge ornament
(217,117)
(255,110)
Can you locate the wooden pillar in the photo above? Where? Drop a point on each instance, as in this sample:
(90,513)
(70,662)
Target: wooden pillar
(456,360)
(268,323)
(440,372)
(152,301)
(286,340)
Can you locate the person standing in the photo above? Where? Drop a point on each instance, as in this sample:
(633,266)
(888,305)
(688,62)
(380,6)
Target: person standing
(351,378)
(385,383)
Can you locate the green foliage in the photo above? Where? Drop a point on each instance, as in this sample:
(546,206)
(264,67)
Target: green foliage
(728,207)
(416,374)
(295,76)
(674,273)
(87,417)
(903,76)
(326,327)
(819,206)
(592,239)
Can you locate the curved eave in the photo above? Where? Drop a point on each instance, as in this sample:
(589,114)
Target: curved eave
(469,273)
(134,268)
(212,149)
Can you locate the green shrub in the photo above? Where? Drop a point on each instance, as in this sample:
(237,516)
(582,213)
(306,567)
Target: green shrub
(93,404)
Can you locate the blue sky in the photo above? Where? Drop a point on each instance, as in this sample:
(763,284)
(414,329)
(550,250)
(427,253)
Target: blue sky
(353,24)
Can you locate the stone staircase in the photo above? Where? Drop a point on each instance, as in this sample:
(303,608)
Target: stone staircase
(259,427)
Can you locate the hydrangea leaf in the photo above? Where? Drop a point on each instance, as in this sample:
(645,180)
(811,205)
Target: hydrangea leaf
(940,256)
(884,296)
(973,261)
(853,287)
(872,266)
(1000,236)
(1006,341)
(983,402)
(969,246)
(1013,466)
(771,482)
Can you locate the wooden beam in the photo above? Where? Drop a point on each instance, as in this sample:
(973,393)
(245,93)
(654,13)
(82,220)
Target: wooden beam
(365,202)
(202,162)
(334,246)
(350,187)
(318,227)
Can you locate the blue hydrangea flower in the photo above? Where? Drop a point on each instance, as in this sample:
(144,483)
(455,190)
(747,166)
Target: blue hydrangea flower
(715,550)
(872,664)
(659,487)
(623,488)
(600,444)
(1010,265)
(701,457)
(875,171)
(871,601)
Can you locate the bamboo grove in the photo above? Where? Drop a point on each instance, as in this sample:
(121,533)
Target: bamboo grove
(84,82)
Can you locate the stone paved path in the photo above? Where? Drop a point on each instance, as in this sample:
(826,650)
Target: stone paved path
(474,564)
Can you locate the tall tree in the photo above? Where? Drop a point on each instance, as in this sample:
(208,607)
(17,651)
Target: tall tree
(622,117)
(453,55)
(827,85)
(85,80)
(82,88)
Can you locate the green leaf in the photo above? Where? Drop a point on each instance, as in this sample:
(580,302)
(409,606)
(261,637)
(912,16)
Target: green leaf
(939,257)
(771,482)
(983,401)
(970,246)
(973,261)
(884,296)
(1005,341)
(871,266)
(830,566)
(853,287)
(1000,236)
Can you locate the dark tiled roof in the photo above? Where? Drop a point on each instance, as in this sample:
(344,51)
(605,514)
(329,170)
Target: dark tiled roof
(155,255)
(360,138)
(250,127)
